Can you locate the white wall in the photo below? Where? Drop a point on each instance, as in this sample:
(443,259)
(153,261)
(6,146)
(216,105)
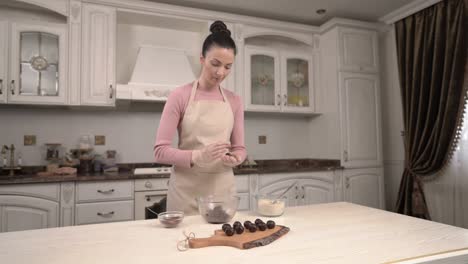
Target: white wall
(392,119)
(131,132)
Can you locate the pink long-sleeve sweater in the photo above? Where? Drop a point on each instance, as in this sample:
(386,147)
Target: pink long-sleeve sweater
(171,120)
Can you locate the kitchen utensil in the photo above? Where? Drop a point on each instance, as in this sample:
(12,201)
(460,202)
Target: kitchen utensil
(283,193)
(216,209)
(170,218)
(245,240)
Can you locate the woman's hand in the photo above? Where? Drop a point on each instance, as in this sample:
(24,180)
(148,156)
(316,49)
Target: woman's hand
(230,160)
(209,153)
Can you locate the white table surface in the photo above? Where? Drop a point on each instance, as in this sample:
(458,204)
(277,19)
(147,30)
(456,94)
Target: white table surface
(325,233)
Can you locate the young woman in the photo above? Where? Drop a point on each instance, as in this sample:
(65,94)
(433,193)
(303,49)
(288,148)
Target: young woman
(210,124)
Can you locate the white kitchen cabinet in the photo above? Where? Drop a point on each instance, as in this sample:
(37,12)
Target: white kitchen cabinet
(360,120)
(279,186)
(243,191)
(358,50)
(98,55)
(104,202)
(24,213)
(262,79)
(349,93)
(105,212)
(278,80)
(364,187)
(38,64)
(314,191)
(104,191)
(29,206)
(311,187)
(58,6)
(3,60)
(297,82)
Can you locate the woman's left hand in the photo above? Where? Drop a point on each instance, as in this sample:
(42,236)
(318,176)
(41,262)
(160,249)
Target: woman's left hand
(230,160)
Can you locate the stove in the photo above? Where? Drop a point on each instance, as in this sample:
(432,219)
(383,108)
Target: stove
(151,192)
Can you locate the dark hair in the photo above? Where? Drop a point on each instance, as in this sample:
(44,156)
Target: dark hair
(220,36)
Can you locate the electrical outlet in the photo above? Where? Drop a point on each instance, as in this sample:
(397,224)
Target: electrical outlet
(29,140)
(99,140)
(262,139)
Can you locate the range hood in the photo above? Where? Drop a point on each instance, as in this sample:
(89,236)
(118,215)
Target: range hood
(158,71)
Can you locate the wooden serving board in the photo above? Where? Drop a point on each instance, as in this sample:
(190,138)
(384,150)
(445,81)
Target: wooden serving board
(245,240)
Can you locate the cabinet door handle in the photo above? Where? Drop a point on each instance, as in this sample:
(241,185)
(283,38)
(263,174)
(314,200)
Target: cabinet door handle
(111,91)
(297,194)
(347,182)
(106,214)
(1,86)
(345,155)
(303,192)
(285,99)
(106,192)
(12,87)
(279,99)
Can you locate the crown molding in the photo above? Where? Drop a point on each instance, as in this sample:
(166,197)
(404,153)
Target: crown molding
(407,10)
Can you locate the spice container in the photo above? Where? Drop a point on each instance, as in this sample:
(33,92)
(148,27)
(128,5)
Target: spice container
(270,205)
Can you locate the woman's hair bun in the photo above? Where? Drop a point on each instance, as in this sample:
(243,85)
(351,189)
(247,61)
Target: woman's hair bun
(219,27)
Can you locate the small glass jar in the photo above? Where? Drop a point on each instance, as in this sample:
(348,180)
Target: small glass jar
(85,142)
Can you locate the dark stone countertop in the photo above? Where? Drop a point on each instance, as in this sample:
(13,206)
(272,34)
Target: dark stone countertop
(29,174)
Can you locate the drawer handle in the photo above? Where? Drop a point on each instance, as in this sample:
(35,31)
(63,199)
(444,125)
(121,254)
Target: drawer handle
(12,87)
(106,214)
(111,92)
(106,192)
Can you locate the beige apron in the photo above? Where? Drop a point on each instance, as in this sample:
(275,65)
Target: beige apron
(205,122)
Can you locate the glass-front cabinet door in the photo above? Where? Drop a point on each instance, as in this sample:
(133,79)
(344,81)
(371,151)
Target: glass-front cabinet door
(262,87)
(38,64)
(297,82)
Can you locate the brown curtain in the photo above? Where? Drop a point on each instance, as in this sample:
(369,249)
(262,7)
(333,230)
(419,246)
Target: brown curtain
(431,48)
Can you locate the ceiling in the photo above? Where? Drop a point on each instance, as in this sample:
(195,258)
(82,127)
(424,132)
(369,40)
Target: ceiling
(299,11)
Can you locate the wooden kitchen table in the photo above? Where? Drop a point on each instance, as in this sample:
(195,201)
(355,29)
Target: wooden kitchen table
(324,233)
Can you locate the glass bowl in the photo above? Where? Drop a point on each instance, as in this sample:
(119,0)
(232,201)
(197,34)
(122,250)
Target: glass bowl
(270,205)
(217,209)
(171,218)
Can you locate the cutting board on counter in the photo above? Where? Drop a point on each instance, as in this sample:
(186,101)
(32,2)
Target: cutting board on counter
(245,240)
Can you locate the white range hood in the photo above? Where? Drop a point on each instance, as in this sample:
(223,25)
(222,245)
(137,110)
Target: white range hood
(158,71)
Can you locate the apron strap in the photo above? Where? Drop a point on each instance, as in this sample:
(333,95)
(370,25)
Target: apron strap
(194,90)
(224,96)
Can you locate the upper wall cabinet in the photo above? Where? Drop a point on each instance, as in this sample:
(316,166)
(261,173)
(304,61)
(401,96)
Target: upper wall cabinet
(98,55)
(280,70)
(358,50)
(38,64)
(278,81)
(33,55)
(3,60)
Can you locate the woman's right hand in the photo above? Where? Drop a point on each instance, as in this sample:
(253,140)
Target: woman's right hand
(209,153)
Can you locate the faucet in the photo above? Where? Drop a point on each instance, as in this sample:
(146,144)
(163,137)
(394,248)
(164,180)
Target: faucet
(12,166)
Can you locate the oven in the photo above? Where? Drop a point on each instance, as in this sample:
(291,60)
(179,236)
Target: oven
(150,196)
